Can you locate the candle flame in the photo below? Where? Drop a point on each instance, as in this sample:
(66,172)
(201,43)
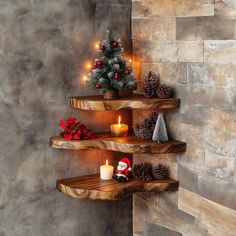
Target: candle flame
(106,162)
(119,120)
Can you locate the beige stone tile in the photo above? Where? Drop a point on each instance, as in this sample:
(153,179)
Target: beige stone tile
(155,51)
(168,51)
(224,218)
(204,27)
(190,51)
(155,28)
(220,51)
(218,190)
(226,8)
(145,8)
(219,133)
(211,227)
(219,166)
(222,75)
(169,72)
(161,209)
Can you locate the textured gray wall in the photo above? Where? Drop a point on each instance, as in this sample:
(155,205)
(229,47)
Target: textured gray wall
(43,47)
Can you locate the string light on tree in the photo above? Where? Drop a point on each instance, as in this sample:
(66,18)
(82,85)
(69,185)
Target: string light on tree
(96,45)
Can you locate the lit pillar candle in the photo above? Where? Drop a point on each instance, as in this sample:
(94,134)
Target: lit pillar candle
(119,130)
(106,171)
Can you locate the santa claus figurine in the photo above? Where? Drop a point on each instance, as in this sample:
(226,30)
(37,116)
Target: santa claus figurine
(123,170)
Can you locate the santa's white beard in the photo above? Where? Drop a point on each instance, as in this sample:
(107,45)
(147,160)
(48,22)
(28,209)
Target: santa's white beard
(121,168)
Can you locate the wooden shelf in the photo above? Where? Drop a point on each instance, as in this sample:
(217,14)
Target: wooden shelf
(93,188)
(135,101)
(129,144)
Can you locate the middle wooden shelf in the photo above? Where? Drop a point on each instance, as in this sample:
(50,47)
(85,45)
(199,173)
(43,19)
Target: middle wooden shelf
(129,144)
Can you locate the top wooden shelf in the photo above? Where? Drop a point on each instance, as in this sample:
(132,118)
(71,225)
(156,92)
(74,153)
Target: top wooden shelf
(135,101)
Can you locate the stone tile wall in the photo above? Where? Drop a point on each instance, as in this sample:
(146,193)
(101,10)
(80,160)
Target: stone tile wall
(192,45)
(44,45)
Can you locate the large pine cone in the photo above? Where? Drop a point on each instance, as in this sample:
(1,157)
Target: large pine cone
(160,171)
(143,171)
(145,129)
(163,91)
(150,84)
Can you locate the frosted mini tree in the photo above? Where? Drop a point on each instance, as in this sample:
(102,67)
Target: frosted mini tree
(160,131)
(111,71)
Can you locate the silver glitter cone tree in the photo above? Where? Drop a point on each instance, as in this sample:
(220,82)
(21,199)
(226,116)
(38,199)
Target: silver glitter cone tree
(160,131)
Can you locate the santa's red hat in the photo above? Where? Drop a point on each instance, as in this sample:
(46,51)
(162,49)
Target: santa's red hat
(125,160)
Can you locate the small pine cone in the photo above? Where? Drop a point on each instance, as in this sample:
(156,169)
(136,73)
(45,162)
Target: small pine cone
(163,91)
(143,171)
(150,84)
(146,128)
(160,171)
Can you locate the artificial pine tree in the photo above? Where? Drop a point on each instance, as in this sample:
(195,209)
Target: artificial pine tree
(160,131)
(111,71)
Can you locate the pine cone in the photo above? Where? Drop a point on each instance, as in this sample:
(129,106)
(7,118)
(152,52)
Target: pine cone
(145,129)
(163,91)
(150,84)
(160,171)
(143,171)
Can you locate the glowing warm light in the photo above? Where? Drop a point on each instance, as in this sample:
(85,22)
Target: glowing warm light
(85,78)
(88,65)
(106,162)
(119,130)
(96,45)
(130,60)
(119,120)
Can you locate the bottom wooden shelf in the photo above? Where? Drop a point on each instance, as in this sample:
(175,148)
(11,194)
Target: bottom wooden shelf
(91,187)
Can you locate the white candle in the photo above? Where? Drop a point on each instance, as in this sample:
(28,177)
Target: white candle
(106,171)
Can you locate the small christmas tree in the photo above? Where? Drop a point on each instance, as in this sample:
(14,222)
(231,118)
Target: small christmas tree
(111,70)
(160,131)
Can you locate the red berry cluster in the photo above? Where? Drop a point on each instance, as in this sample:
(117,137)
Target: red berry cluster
(75,130)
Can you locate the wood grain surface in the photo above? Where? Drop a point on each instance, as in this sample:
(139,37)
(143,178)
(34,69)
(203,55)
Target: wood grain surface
(129,144)
(135,101)
(91,187)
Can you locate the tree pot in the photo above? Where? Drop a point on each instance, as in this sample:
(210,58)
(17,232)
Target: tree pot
(123,93)
(111,94)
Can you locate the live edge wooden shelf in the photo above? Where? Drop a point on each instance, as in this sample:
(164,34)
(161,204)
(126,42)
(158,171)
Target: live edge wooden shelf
(91,187)
(135,101)
(129,144)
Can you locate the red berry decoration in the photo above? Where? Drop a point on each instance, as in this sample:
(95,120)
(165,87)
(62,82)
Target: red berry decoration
(94,66)
(116,76)
(102,47)
(115,44)
(127,72)
(98,85)
(99,63)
